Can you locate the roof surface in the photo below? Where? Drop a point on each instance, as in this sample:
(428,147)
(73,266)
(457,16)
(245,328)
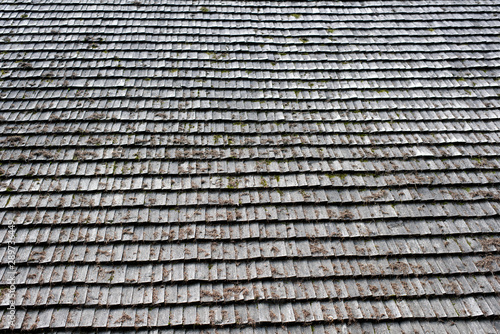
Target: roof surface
(251,166)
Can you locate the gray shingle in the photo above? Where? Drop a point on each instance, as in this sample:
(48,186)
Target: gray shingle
(298,163)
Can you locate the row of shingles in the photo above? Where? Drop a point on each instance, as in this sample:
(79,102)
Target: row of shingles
(449,266)
(252,55)
(330,9)
(153,33)
(352,121)
(287,16)
(350,103)
(219,144)
(294,250)
(247,37)
(254,191)
(326,198)
(422,35)
(215,144)
(240,231)
(118,234)
(319,289)
(24,122)
(316,54)
(206,135)
(81,43)
(345,173)
(179,167)
(215,51)
(140,151)
(428,142)
(345,107)
(484,205)
(88,251)
(348,9)
(357,183)
(326,30)
(256,99)
(138,257)
(247,41)
(160,163)
(313,100)
(215,139)
(179,72)
(126,270)
(172,116)
(483,209)
(346,289)
(96,97)
(259,313)
(341,123)
(305,77)
(282,123)
(248,50)
(274,212)
(183,153)
(459,94)
(276,53)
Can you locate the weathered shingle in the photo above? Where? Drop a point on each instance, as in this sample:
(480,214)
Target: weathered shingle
(251,167)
